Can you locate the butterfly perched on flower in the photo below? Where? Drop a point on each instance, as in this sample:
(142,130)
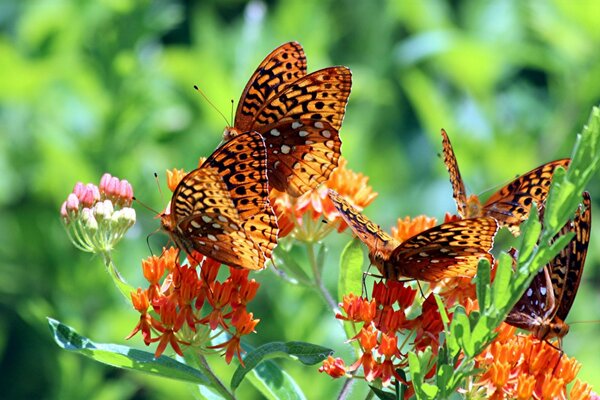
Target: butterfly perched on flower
(222,209)
(545,304)
(299,116)
(511,204)
(448,250)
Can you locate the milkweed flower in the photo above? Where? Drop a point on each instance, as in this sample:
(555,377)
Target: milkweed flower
(183,303)
(303,217)
(97,218)
(524,367)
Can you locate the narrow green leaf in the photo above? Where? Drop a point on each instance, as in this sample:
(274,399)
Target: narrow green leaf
(124,357)
(306,353)
(500,288)
(530,233)
(482,284)
(351,274)
(461,328)
(382,394)
(274,383)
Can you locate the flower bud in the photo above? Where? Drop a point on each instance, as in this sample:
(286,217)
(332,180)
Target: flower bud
(103,210)
(88,220)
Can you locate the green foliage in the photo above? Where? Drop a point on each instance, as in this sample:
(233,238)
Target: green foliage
(89,87)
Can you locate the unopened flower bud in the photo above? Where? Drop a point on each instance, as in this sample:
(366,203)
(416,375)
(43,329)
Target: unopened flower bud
(90,195)
(103,210)
(88,220)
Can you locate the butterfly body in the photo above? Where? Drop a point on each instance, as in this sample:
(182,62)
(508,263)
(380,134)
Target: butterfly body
(547,301)
(299,116)
(447,250)
(222,210)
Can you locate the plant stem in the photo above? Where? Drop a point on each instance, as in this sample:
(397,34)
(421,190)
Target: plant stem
(217,384)
(318,284)
(346,389)
(118,280)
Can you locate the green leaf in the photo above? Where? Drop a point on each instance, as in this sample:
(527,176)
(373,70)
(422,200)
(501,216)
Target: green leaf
(124,357)
(351,275)
(461,328)
(419,366)
(306,353)
(382,394)
(274,383)
(482,283)
(500,288)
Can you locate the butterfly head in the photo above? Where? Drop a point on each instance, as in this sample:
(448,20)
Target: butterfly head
(551,329)
(229,133)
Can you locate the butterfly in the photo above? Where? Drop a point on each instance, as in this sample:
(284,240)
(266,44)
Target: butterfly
(448,250)
(511,204)
(222,210)
(299,116)
(545,304)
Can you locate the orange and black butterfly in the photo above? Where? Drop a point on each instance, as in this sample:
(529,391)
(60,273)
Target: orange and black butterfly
(299,116)
(222,209)
(511,204)
(545,304)
(448,250)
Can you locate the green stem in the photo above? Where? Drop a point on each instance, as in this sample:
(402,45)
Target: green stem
(346,389)
(217,384)
(118,280)
(318,284)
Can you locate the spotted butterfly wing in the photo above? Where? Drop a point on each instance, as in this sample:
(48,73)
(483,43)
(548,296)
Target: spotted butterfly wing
(447,250)
(458,186)
(379,243)
(547,301)
(222,210)
(511,204)
(299,116)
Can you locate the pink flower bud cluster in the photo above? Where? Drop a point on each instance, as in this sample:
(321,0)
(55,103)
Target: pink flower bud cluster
(96,218)
(118,191)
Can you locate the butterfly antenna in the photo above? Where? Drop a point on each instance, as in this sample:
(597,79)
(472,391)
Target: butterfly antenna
(147,207)
(231,110)
(212,105)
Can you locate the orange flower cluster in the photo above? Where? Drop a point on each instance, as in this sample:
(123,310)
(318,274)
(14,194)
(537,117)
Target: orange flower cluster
(524,367)
(178,301)
(315,205)
(384,320)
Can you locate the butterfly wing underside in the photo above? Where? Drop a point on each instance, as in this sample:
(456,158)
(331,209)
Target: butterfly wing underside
(545,304)
(567,268)
(458,187)
(444,251)
(379,243)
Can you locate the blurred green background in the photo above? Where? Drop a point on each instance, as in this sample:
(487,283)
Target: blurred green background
(88,87)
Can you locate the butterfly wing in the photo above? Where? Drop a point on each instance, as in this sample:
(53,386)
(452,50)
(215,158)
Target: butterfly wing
(511,204)
(222,209)
(302,154)
(566,269)
(203,218)
(458,187)
(282,66)
(447,250)
(537,304)
(379,243)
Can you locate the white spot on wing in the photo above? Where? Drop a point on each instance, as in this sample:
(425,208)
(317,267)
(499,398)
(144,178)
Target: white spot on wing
(206,218)
(319,125)
(303,133)
(296,125)
(285,149)
(326,134)
(275,132)
(212,237)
